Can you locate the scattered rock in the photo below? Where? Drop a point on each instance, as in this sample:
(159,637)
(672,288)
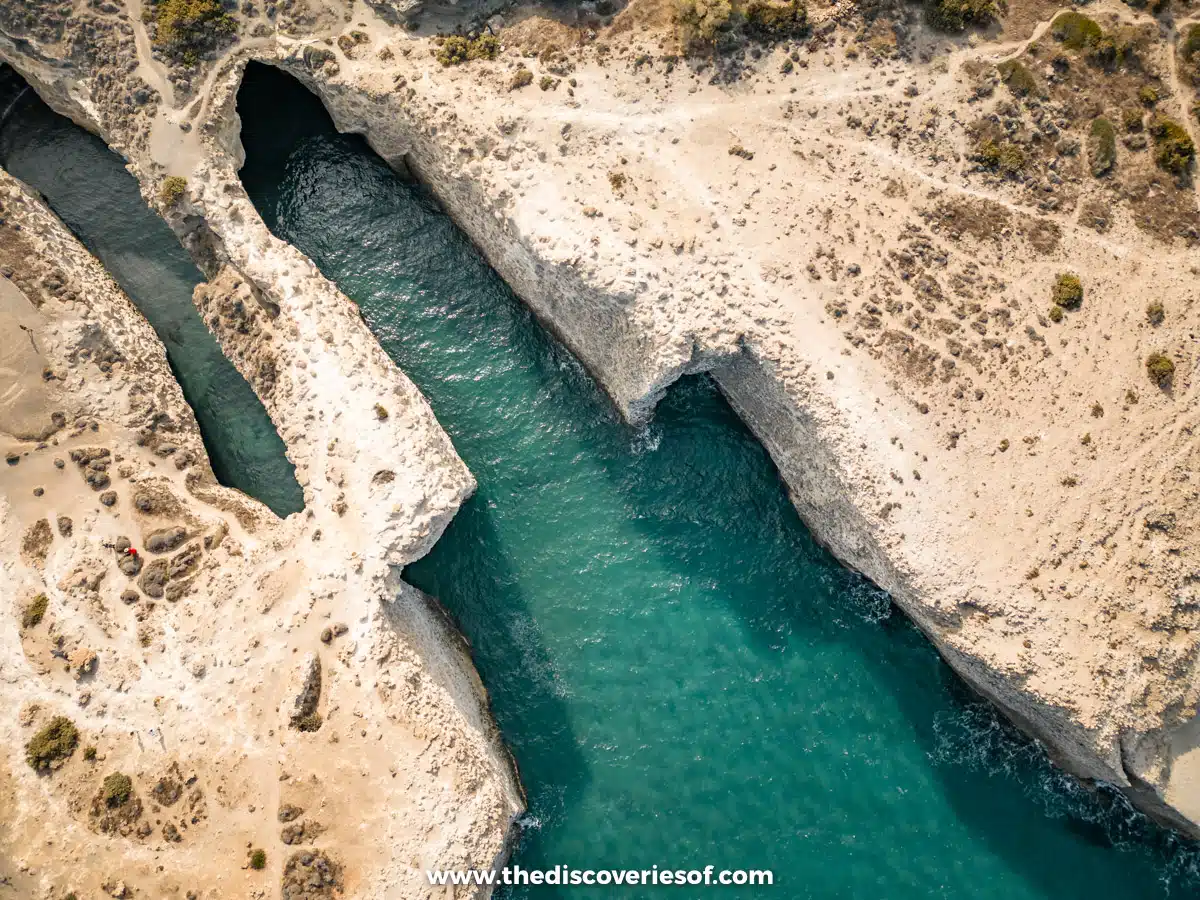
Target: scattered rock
(65,526)
(164,540)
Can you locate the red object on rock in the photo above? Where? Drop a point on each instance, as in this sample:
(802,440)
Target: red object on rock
(132,551)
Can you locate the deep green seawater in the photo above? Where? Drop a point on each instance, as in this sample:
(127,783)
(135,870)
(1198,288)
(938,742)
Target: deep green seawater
(684,677)
(87,185)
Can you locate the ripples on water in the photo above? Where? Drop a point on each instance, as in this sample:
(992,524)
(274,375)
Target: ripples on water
(684,676)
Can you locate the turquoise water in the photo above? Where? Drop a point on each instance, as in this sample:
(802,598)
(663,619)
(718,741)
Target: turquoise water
(88,187)
(683,675)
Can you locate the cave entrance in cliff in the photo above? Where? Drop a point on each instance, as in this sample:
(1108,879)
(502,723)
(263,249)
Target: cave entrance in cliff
(89,188)
(673,661)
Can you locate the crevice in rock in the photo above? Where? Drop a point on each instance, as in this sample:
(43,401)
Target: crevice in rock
(89,188)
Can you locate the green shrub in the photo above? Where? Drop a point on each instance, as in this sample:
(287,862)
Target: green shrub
(1161,369)
(1067,291)
(768,21)
(957,15)
(701,24)
(1174,149)
(172,189)
(1018,78)
(1004,157)
(258,859)
(547,82)
(521,78)
(89,752)
(1133,120)
(57,741)
(1190,43)
(32,615)
(1076,31)
(1148,94)
(187,28)
(1155,312)
(1102,146)
(457,49)
(1056,314)
(116,790)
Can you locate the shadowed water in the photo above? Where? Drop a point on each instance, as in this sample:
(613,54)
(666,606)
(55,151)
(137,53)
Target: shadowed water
(88,187)
(684,677)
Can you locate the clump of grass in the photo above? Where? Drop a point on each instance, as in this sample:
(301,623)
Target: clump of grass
(33,614)
(1174,150)
(1161,369)
(188,28)
(958,15)
(1076,31)
(1190,45)
(457,49)
(1003,156)
(1148,94)
(703,24)
(617,180)
(116,790)
(1133,120)
(1056,314)
(172,189)
(54,743)
(547,82)
(381,412)
(1155,313)
(768,21)
(89,752)
(258,859)
(521,78)
(1067,291)
(1102,146)
(739,150)
(1018,78)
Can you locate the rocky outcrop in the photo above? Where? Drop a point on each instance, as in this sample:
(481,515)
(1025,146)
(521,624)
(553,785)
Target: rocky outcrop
(159,626)
(868,276)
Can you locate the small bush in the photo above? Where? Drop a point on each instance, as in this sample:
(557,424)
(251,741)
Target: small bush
(116,790)
(1161,369)
(1056,314)
(548,82)
(89,752)
(1067,291)
(172,189)
(521,78)
(1174,149)
(381,412)
(1155,313)
(1018,78)
(767,21)
(1148,95)
(618,180)
(957,15)
(702,24)
(1133,120)
(739,150)
(56,742)
(188,28)
(1076,31)
(33,614)
(1102,147)
(1190,44)
(457,49)
(1004,157)
(258,860)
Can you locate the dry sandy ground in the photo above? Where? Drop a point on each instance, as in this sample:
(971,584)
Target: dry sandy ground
(857,233)
(258,695)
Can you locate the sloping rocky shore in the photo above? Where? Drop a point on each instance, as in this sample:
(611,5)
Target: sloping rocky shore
(866,233)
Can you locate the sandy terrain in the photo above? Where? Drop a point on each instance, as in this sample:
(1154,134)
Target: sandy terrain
(256,694)
(858,232)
